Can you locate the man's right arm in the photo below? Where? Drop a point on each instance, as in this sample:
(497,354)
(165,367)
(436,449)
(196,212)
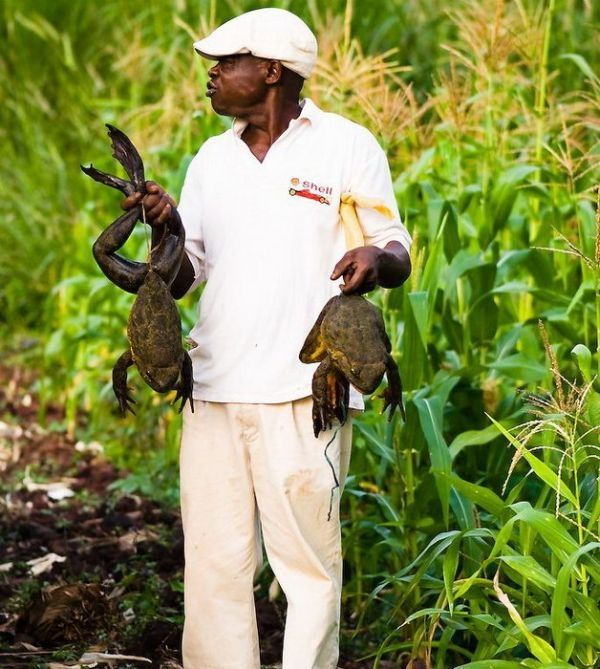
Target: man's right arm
(159,207)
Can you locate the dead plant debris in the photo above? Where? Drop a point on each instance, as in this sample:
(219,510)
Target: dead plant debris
(89,576)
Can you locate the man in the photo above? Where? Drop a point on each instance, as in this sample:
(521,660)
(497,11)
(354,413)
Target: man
(260,205)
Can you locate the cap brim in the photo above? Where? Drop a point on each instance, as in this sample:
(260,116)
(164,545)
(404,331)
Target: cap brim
(204,54)
(214,49)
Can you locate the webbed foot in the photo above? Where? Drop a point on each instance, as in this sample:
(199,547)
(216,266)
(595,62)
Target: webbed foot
(108,179)
(186,383)
(330,398)
(128,156)
(126,153)
(322,418)
(119,375)
(338,395)
(392,395)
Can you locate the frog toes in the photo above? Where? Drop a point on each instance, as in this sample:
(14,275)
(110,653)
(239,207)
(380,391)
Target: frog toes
(124,405)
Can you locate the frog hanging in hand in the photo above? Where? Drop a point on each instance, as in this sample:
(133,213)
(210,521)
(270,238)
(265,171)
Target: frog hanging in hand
(154,325)
(350,341)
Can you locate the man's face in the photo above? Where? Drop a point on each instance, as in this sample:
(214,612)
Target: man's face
(237,84)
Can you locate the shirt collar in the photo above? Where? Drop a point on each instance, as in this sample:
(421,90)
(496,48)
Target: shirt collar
(309,114)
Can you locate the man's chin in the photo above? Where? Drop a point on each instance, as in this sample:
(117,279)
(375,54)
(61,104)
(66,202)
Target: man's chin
(220,109)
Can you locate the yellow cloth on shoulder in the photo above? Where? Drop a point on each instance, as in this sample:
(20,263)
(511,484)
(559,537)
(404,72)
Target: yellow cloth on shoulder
(349,217)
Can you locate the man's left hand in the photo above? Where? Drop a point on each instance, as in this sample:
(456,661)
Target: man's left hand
(359,268)
(365,267)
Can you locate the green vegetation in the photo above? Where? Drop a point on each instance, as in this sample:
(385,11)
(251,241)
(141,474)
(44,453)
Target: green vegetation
(472,532)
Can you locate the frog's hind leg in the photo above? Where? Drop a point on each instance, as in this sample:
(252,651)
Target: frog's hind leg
(166,257)
(392,395)
(126,153)
(320,414)
(330,397)
(119,376)
(186,383)
(127,274)
(108,179)
(339,395)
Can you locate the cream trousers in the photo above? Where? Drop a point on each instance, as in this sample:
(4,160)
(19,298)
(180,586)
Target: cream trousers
(245,466)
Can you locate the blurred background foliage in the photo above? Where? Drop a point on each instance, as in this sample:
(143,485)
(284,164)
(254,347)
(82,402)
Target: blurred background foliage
(472,531)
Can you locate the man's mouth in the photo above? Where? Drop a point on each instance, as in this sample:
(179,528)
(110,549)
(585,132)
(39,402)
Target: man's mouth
(210,89)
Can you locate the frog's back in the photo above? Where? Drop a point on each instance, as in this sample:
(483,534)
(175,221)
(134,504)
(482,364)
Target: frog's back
(154,326)
(353,322)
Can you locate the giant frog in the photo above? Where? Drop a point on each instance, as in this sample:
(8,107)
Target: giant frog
(154,326)
(350,341)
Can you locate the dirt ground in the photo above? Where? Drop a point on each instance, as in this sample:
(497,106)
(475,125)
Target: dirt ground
(85,569)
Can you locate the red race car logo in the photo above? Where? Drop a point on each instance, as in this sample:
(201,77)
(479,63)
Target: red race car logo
(311,196)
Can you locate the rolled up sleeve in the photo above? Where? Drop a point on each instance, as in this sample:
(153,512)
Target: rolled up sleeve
(370,177)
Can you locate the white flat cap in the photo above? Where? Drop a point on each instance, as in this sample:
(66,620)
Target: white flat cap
(265,33)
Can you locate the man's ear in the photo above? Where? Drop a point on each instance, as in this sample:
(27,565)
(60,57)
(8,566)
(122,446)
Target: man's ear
(274,72)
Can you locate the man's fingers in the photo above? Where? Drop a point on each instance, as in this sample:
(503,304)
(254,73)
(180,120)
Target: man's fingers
(155,189)
(156,207)
(358,270)
(342,266)
(357,282)
(152,202)
(131,201)
(165,215)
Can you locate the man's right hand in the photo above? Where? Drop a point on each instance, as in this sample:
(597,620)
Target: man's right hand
(158,204)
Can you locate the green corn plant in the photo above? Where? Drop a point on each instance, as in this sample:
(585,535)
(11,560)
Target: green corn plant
(532,592)
(487,115)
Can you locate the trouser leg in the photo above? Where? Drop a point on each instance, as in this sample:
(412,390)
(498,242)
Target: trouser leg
(293,483)
(218,513)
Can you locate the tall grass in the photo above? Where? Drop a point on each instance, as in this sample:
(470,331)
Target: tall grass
(458,549)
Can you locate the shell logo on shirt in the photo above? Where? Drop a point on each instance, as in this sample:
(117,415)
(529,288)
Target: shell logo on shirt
(310,190)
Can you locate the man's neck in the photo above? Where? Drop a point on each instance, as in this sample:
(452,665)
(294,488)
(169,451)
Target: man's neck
(268,123)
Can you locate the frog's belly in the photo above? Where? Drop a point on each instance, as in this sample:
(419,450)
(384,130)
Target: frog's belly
(154,327)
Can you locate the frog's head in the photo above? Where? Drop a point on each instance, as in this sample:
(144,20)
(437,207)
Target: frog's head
(161,379)
(364,376)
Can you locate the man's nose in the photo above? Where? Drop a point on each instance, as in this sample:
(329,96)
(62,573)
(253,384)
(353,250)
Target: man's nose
(212,73)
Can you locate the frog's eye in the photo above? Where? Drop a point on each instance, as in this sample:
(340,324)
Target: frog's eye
(354,370)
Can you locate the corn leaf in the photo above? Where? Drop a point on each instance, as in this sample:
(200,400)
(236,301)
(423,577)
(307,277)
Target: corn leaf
(430,417)
(479,495)
(472,438)
(531,570)
(558,615)
(491,664)
(538,466)
(520,367)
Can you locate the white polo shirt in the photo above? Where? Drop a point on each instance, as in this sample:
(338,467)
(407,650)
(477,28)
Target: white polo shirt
(265,237)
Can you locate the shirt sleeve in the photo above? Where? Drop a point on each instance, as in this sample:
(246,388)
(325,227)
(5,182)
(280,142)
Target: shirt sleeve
(370,177)
(190,210)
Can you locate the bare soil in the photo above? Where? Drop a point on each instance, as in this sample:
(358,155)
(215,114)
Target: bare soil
(110,565)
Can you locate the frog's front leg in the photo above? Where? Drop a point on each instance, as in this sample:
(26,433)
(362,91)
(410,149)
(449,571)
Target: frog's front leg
(330,397)
(392,395)
(127,274)
(186,383)
(119,376)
